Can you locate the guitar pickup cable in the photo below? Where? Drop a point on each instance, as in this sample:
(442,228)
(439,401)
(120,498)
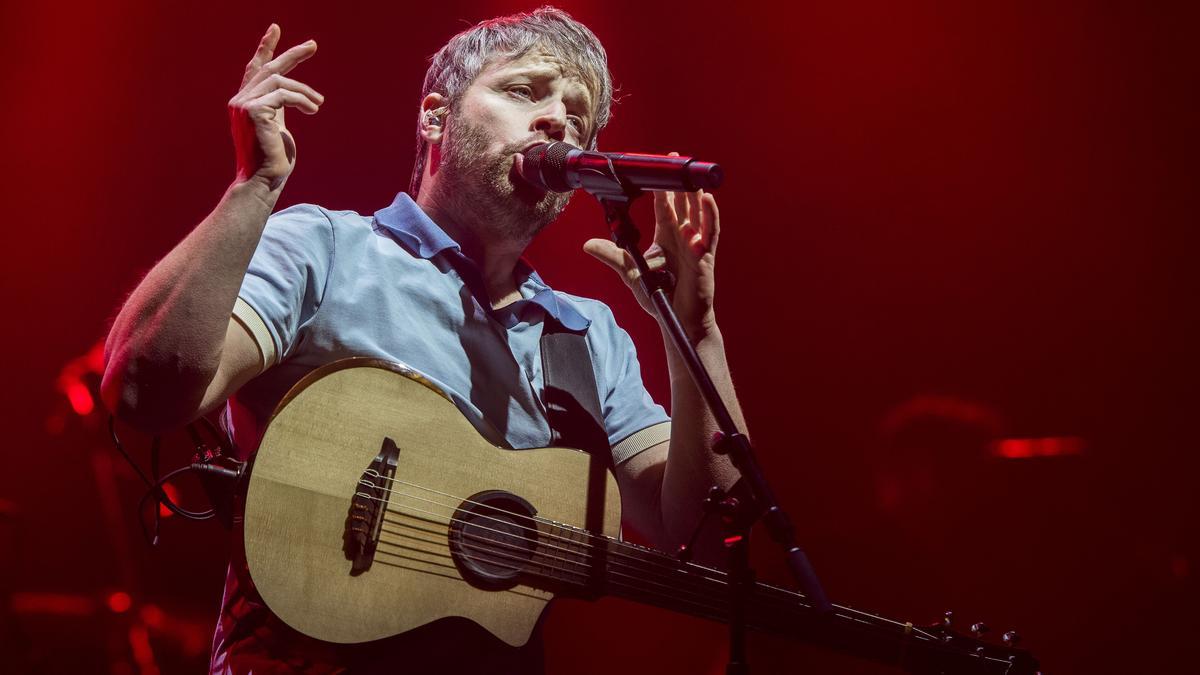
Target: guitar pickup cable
(220,472)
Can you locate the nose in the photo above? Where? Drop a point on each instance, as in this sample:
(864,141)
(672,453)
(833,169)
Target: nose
(552,121)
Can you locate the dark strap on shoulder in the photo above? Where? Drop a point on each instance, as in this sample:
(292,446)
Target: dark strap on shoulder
(570,392)
(573,410)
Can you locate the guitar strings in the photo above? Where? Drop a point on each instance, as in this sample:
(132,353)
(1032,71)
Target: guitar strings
(659,558)
(674,568)
(582,562)
(782,594)
(779,593)
(673,565)
(710,610)
(525,553)
(490,547)
(699,609)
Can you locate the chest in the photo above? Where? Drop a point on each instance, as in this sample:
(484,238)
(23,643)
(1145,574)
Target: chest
(426,317)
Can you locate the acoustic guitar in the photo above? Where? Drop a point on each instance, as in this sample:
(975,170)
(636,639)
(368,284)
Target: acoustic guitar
(374,507)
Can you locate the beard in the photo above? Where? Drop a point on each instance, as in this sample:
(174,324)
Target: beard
(482,187)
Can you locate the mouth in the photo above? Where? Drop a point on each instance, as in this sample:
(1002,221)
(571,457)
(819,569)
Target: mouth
(522,188)
(528,147)
(517,171)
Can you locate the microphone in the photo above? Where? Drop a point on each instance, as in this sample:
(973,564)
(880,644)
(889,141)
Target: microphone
(561,167)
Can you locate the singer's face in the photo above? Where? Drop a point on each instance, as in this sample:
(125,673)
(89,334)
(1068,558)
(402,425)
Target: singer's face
(510,106)
(529,99)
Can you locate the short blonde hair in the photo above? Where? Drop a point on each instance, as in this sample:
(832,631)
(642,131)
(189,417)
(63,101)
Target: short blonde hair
(459,62)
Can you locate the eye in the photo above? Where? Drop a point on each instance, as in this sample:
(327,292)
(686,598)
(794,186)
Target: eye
(521,91)
(576,123)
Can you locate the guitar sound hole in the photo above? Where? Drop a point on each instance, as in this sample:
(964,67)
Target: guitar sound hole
(493,538)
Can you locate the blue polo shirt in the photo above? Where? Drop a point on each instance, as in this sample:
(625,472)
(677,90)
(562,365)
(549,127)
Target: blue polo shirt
(325,285)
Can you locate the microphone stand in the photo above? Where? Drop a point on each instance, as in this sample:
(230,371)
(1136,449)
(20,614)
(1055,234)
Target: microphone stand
(750,498)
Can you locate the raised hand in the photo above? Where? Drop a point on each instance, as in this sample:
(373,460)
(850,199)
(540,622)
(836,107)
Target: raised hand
(686,229)
(266,150)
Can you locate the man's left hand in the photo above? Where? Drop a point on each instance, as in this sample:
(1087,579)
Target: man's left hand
(686,228)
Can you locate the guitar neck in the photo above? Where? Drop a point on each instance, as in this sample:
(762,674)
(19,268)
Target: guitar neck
(604,566)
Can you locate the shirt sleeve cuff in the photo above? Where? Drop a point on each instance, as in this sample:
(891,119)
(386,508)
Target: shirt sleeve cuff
(641,440)
(244,314)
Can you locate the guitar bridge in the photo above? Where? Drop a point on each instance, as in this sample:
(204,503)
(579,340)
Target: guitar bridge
(367,508)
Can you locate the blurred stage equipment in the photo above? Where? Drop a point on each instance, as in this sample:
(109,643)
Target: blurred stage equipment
(126,626)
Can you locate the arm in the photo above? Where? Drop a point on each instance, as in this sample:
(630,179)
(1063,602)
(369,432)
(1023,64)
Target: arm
(667,483)
(173,352)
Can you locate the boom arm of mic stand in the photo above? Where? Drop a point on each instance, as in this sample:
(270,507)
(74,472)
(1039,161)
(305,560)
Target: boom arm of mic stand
(734,442)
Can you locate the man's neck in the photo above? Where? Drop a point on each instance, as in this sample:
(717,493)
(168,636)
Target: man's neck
(495,256)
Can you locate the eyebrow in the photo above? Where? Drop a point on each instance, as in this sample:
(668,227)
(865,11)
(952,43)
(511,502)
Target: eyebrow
(575,89)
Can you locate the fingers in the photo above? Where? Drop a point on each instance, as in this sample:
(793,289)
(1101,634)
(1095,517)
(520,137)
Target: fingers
(275,82)
(711,219)
(656,257)
(266,49)
(666,225)
(612,255)
(663,211)
(678,222)
(267,104)
(667,219)
(692,218)
(282,64)
(686,220)
(696,235)
(687,227)
(679,205)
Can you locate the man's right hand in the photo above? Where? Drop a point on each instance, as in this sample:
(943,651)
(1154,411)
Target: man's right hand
(266,151)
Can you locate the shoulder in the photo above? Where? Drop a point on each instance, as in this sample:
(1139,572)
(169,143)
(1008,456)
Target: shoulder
(316,228)
(316,216)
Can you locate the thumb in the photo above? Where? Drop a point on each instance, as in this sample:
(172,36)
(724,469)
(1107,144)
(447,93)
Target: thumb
(610,254)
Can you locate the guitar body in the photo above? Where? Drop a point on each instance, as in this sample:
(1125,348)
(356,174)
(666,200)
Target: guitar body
(374,507)
(364,450)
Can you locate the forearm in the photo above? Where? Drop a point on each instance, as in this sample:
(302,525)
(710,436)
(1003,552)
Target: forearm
(692,467)
(165,344)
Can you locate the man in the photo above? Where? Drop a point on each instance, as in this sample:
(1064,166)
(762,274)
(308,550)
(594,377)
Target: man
(245,305)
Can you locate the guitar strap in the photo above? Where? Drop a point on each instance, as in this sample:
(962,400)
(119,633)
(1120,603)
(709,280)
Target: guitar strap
(573,411)
(570,392)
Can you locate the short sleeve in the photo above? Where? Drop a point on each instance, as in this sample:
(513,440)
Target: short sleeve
(628,408)
(285,281)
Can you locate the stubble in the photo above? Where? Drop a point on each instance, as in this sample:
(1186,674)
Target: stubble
(482,188)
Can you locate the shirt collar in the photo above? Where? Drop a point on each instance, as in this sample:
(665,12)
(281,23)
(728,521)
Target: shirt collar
(551,302)
(420,235)
(414,228)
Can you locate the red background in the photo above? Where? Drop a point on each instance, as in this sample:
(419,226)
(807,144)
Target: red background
(977,208)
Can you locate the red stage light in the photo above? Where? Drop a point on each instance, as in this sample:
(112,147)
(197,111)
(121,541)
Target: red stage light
(1025,448)
(119,602)
(173,494)
(73,379)
(80,398)
(58,604)
(153,616)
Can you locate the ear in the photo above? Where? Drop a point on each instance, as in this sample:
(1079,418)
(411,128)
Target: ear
(434,109)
